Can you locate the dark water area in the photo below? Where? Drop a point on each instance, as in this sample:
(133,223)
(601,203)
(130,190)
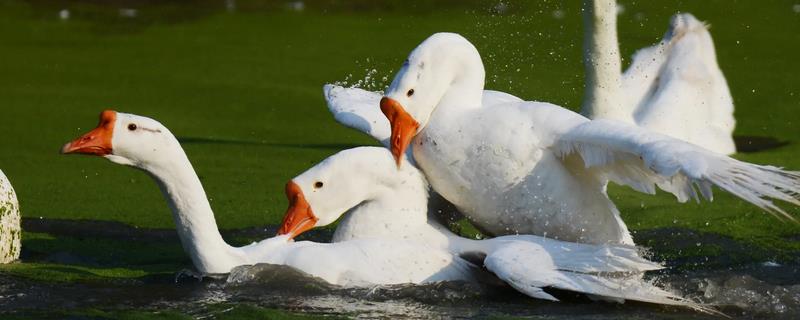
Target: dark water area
(741,287)
(740,295)
(282,288)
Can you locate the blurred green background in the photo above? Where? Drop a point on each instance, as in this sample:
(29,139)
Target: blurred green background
(241,85)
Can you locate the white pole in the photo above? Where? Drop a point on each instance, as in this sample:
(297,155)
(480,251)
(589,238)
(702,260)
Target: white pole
(602,62)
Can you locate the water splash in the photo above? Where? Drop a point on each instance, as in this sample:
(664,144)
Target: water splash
(373,78)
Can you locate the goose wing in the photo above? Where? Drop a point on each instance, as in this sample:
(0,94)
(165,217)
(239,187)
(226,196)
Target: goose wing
(642,159)
(359,109)
(529,267)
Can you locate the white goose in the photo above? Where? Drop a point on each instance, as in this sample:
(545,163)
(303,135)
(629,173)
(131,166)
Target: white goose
(674,87)
(380,201)
(10,231)
(536,168)
(147,145)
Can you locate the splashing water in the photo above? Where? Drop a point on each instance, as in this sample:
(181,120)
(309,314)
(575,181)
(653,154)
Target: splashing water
(371,80)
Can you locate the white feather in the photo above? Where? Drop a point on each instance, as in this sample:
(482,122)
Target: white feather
(358,109)
(529,268)
(639,158)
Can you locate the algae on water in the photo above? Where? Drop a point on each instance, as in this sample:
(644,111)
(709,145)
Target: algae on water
(10,233)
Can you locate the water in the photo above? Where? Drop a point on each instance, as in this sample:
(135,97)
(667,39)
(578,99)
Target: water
(750,290)
(743,296)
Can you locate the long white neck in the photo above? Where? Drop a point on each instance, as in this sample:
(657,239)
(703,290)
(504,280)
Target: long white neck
(465,89)
(391,209)
(193,217)
(602,97)
(400,211)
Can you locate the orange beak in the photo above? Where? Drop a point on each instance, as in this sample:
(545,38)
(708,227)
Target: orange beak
(404,127)
(96,142)
(299,218)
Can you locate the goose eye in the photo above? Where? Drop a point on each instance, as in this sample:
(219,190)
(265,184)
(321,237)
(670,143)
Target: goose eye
(318,184)
(132,126)
(410,92)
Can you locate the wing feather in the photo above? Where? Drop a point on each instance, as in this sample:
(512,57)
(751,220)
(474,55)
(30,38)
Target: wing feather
(358,109)
(642,159)
(530,268)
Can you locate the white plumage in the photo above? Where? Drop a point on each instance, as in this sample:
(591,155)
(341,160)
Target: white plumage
(358,109)
(674,87)
(642,160)
(387,203)
(536,168)
(151,147)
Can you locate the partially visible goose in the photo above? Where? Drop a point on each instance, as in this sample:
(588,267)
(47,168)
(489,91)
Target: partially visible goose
(380,201)
(146,144)
(10,231)
(537,168)
(674,87)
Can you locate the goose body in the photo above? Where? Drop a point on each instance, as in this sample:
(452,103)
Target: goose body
(689,98)
(146,144)
(10,231)
(379,201)
(536,168)
(674,87)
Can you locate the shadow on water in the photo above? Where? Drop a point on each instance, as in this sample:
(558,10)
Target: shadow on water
(744,144)
(223,141)
(746,286)
(749,144)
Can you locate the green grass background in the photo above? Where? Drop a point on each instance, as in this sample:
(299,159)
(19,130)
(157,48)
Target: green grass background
(244,90)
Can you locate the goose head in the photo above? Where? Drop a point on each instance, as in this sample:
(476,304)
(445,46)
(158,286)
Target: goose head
(323,193)
(433,68)
(126,139)
(682,24)
(690,42)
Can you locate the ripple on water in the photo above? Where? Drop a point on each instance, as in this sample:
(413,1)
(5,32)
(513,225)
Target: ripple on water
(761,290)
(270,286)
(756,296)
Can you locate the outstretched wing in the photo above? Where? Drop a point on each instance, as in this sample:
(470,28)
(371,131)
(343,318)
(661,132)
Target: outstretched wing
(358,109)
(643,159)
